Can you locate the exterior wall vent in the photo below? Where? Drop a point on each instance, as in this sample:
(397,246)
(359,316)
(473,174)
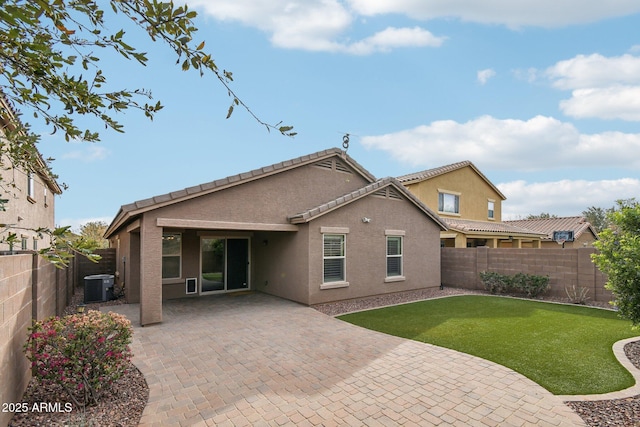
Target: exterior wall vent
(393,194)
(388,193)
(326,164)
(341,167)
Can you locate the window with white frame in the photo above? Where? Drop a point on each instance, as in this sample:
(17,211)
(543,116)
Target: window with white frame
(394,256)
(448,202)
(491,209)
(334,257)
(171,255)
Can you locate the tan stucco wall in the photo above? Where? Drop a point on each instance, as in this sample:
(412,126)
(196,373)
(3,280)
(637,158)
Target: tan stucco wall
(366,249)
(269,200)
(127,247)
(281,263)
(474,191)
(150,271)
(25,214)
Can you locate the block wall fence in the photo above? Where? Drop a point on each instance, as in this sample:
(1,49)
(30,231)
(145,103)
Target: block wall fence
(30,288)
(461,268)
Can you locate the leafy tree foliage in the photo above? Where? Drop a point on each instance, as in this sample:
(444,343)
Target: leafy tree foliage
(50,60)
(50,54)
(93,233)
(597,217)
(619,257)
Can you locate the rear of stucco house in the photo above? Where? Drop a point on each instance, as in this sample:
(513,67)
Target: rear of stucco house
(315,229)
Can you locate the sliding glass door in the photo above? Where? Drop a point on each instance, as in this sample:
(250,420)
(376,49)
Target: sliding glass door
(224,264)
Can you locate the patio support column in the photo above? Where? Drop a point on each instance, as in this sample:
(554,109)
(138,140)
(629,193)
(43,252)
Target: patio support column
(150,272)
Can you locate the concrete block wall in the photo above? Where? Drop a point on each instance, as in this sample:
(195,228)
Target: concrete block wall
(30,288)
(15,319)
(565,267)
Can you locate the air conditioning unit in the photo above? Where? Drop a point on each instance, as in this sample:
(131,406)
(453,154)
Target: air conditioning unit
(98,288)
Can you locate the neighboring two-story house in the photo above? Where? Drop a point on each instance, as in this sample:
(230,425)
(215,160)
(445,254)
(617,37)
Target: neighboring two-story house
(27,197)
(470,205)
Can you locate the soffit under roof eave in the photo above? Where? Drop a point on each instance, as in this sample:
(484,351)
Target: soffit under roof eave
(223,225)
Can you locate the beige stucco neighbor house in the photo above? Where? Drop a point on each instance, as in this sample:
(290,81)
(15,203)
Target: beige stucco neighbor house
(314,229)
(470,205)
(29,195)
(573,231)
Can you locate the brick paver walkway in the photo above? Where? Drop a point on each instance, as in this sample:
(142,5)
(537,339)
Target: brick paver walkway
(253,359)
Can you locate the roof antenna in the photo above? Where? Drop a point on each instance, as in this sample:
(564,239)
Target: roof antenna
(345,142)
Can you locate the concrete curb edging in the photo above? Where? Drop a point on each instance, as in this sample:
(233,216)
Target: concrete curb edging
(618,351)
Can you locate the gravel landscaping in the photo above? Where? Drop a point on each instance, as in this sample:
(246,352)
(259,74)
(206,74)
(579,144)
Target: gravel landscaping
(124,406)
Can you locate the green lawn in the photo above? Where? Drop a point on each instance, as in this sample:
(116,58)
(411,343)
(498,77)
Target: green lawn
(564,348)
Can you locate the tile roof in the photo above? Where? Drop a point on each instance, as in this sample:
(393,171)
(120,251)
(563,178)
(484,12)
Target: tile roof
(372,188)
(413,178)
(140,206)
(547,226)
(467,226)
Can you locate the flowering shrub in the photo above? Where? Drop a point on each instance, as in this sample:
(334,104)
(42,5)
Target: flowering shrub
(84,353)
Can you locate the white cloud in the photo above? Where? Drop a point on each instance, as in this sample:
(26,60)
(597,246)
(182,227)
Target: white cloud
(315,25)
(485,75)
(514,14)
(391,38)
(565,197)
(595,71)
(90,153)
(616,102)
(538,143)
(602,87)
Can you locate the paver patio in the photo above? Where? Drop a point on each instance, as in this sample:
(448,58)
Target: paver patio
(253,359)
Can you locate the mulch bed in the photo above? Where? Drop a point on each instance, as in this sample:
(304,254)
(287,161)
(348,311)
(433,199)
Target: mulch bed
(120,407)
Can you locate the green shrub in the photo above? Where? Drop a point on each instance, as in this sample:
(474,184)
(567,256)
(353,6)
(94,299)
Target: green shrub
(83,353)
(495,283)
(529,284)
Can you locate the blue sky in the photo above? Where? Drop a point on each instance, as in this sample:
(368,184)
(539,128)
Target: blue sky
(542,96)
